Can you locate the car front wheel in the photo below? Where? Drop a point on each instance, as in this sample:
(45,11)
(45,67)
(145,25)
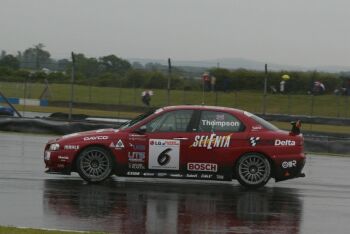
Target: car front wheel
(94,164)
(253,170)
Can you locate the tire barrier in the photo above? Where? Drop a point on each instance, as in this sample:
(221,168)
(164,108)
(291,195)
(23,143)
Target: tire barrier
(331,145)
(50,126)
(313,143)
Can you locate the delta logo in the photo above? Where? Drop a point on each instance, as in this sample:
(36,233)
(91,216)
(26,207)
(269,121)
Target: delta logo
(284,143)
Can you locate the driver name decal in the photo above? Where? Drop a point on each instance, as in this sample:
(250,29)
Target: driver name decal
(220,123)
(212,141)
(164,154)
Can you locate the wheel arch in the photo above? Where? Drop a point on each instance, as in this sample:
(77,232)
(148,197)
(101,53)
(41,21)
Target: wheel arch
(268,157)
(74,162)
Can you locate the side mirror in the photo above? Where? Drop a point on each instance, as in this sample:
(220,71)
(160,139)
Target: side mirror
(141,130)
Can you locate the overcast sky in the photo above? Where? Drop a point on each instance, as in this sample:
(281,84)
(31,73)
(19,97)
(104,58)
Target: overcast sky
(291,32)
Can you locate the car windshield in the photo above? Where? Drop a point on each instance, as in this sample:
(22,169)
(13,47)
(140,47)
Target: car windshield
(136,120)
(262,122)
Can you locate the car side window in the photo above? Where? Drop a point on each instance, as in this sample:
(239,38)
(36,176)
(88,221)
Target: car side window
(216,121)
(174,121)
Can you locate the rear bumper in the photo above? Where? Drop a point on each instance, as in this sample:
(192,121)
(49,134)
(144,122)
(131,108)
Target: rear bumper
(286,169)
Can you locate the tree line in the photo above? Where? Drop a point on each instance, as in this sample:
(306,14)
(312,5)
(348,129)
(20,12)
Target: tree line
(35,64)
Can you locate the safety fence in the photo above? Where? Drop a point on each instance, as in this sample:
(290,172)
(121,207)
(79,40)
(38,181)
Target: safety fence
(291,104)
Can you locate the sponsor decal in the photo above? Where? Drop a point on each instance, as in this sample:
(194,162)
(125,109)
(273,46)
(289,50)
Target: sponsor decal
(176,175)
(289,164)
(164,154)
(284,143)
(135,137)
(60,165)
(219,177)
(164,142)
(256,128)
(212,141)
(133,173)
(63,158)
(71,147)
(139,147)
(206,176)
(254,141)
(191,175)
(119,144)
(136,156)
(220,117)
(202,167)
(137,166)
(148,174)
(222,124)
(94,138)
(162,174)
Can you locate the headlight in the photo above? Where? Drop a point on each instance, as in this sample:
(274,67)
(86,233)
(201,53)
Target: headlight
(54,147)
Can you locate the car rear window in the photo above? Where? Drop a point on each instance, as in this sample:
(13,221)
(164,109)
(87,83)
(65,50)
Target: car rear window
(262,122)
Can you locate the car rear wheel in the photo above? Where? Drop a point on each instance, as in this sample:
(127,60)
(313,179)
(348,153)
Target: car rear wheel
(253,170)
(94,164)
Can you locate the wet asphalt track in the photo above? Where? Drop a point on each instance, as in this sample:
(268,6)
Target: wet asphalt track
(319,203)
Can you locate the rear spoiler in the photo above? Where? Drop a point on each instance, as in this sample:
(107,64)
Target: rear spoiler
(296,125)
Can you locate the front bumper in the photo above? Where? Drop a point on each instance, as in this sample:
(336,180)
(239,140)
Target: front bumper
(57,162)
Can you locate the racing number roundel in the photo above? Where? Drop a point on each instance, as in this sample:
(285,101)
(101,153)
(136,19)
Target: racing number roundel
(164,154)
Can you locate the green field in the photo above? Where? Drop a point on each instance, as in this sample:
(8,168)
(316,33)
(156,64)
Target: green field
(324,105)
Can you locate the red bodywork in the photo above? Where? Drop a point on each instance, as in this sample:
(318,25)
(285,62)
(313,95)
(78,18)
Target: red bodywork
(193,154)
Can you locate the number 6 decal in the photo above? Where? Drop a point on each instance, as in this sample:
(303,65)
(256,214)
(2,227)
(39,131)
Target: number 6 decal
(164,154)
(164,157)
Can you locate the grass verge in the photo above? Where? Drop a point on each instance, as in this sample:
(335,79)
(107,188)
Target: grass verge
(293,104)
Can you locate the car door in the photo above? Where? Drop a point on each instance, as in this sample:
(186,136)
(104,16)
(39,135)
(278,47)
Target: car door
(167,137)
(214,143)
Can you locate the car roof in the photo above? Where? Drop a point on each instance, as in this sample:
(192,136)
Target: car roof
(203,107)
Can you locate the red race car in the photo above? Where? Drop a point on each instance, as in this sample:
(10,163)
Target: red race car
(194,142)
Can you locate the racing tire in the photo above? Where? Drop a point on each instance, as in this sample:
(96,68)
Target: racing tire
(94,164)
(253,170)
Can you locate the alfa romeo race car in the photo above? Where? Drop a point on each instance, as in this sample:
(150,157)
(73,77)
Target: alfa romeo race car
(194,142)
